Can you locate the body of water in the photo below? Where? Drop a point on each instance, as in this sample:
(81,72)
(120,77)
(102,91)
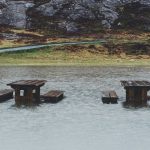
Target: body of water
(79,122)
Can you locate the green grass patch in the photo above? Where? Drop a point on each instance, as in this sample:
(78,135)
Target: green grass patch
(53,57)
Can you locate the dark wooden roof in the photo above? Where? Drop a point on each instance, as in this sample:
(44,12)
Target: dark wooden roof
(135,83)
(35,83)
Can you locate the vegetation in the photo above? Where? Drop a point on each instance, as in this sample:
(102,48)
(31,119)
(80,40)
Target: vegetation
(10,37)
(122,48)
(76,55)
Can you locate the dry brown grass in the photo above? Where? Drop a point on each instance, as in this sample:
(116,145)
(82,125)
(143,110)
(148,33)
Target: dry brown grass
(122,48)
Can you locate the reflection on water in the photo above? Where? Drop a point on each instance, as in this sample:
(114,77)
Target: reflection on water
(80,121)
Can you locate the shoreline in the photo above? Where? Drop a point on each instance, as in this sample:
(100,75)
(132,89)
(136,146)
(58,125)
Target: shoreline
(54,57)
(74,65)
(123,48)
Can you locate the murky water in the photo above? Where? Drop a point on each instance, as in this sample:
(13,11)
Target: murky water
(80,121)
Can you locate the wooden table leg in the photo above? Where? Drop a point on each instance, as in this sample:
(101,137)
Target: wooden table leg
(130,95)
(37,95)
(140,96)
(29,97)
(17,97)
(136,95)
(25,92)
(144,96)
(127,96)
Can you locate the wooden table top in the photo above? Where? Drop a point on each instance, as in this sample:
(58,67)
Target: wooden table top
(28,83)
(136,83)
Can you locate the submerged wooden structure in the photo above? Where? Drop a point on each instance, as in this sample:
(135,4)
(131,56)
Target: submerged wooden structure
(53,96)
(6,94)
(136,92)
(109,97)
(27,92)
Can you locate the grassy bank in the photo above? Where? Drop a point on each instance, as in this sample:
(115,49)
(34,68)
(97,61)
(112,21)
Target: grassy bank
(73,56)
(123,48)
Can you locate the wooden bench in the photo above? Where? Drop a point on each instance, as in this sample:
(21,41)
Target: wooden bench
(109,97)
(53,96)
(6,95)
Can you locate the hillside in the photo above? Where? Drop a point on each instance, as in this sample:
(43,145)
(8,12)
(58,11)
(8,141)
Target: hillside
(75,15)
(123,24)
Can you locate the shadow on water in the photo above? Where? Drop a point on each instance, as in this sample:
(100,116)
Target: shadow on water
(25,107)
(134,105)
(34,105)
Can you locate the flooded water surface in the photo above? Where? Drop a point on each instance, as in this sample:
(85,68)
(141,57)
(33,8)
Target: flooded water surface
(80,121)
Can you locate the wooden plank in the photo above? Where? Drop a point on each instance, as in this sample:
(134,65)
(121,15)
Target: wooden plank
(123,83)
(53,96)
(28,83)
(55,93)
(6,94)
(29,97)
(144,96)
(15,82)
(37,95)
(127,95)
(5,91)
(17,97)
(136,95)
(131,93)
(113,94)
(140,83)
(34,82)
(130,83)
(40,83)
(109,97)
(114,97)
(147,83)
(135,83)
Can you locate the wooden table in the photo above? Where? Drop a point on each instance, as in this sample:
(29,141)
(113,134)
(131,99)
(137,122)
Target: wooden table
(136,91)
(27,91)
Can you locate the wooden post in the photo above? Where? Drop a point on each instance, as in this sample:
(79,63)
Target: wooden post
(127,95)
(29,97)
(144,96)
(17,97)
(25,92)
(37,95)
(136,95)
(130,95)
